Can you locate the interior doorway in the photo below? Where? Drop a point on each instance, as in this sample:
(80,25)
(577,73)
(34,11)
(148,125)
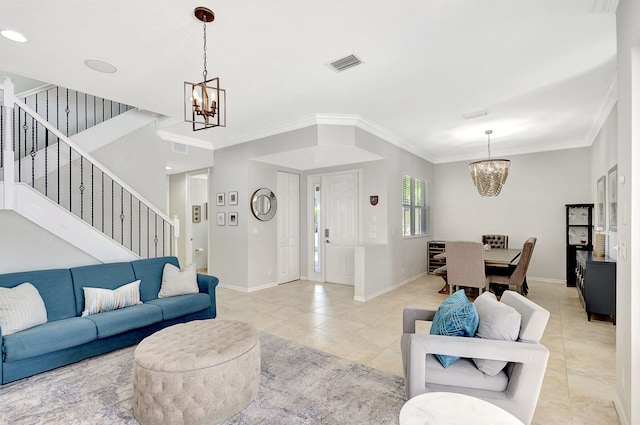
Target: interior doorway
(197,220)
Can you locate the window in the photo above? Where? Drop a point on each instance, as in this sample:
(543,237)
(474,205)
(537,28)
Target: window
(415,206)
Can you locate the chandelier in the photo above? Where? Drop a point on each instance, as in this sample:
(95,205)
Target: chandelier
(489,175)
(205,103)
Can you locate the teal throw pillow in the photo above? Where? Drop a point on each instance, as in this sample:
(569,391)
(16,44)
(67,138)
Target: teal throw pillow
(456,316)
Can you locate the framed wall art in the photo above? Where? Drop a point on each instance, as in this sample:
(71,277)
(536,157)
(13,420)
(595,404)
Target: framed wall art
(601,189)
(233,219)
(220,219)
(233,198)
(220,199)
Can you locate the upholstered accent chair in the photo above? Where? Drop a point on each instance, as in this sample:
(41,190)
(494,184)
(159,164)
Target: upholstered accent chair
(496,241)
(465,265)
(519,275)
(515,388)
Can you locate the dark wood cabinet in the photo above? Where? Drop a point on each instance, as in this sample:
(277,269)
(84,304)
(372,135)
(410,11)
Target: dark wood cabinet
(596,283)
(434,248)
(578,235)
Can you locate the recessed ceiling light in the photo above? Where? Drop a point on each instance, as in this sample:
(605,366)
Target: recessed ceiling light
(13,36)
(100,66)
(167,168)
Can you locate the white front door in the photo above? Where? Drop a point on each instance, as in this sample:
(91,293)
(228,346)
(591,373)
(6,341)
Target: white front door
(288,219)
(340,230)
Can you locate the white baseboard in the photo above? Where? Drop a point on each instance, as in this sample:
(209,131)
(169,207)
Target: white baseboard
(247,290)
(389,289)
(618,406)
(547,279)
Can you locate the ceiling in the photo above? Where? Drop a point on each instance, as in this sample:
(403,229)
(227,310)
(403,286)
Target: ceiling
(543,70)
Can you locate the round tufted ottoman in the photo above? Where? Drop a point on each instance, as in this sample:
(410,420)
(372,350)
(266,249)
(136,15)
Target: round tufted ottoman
(199,372)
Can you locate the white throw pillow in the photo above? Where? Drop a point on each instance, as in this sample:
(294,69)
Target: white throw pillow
(21,307)
(497,321)
(99,300)
(176,282)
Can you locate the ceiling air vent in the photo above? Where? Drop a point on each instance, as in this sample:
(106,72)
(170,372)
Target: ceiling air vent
(345,63)
(179,148)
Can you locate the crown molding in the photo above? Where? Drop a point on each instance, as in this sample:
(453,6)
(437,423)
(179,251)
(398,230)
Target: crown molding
(512,152)
(605,6)
(185,140)
(296,124)
(327,119)
(609,99)
(388,136)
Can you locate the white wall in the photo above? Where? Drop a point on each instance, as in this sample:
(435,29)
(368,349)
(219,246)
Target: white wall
(26,246)
(532,203)
(628,266)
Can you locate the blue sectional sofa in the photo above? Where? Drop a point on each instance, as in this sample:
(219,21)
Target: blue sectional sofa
(67,337)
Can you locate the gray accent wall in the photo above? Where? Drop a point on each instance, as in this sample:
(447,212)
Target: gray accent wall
(245,256)
(139,159)
(532,203)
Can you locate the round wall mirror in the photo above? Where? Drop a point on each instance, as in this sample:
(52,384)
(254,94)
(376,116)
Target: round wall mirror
(264,204)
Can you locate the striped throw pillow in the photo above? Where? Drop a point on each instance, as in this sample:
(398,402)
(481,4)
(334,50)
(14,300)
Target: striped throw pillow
(177,282)
(21,307)
(99,300)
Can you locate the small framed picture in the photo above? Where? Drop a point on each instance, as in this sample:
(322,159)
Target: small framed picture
(233,198)
(600,202)
(233,219)
(220,199)
(220,219)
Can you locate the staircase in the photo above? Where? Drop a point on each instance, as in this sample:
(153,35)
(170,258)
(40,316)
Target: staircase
(53,182)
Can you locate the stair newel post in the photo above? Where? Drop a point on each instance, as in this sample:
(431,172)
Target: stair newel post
(8,170)
(176,234)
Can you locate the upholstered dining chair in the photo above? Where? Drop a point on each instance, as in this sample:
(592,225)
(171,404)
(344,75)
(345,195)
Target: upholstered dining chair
(519,275)
(465,266)
(496,241)
(515,388)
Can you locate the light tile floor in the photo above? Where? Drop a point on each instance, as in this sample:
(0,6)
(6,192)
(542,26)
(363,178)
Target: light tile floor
(579,383)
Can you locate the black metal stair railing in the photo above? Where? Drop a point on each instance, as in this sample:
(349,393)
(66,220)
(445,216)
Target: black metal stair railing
(68,110)
(47,160)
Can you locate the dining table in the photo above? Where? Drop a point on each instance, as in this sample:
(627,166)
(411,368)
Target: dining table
(494,257)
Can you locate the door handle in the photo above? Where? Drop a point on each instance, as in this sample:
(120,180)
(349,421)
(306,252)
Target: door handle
(328,241)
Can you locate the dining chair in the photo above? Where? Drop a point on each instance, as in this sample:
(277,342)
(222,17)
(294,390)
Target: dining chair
(519,275)
(465,266)
(496,241)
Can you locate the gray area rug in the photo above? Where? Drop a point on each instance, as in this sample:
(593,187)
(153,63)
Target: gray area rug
(299,385)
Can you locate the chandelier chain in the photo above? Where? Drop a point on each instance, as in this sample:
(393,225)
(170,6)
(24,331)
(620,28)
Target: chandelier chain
(204,55)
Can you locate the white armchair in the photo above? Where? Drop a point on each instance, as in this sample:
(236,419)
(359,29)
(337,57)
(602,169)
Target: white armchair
(515,389)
